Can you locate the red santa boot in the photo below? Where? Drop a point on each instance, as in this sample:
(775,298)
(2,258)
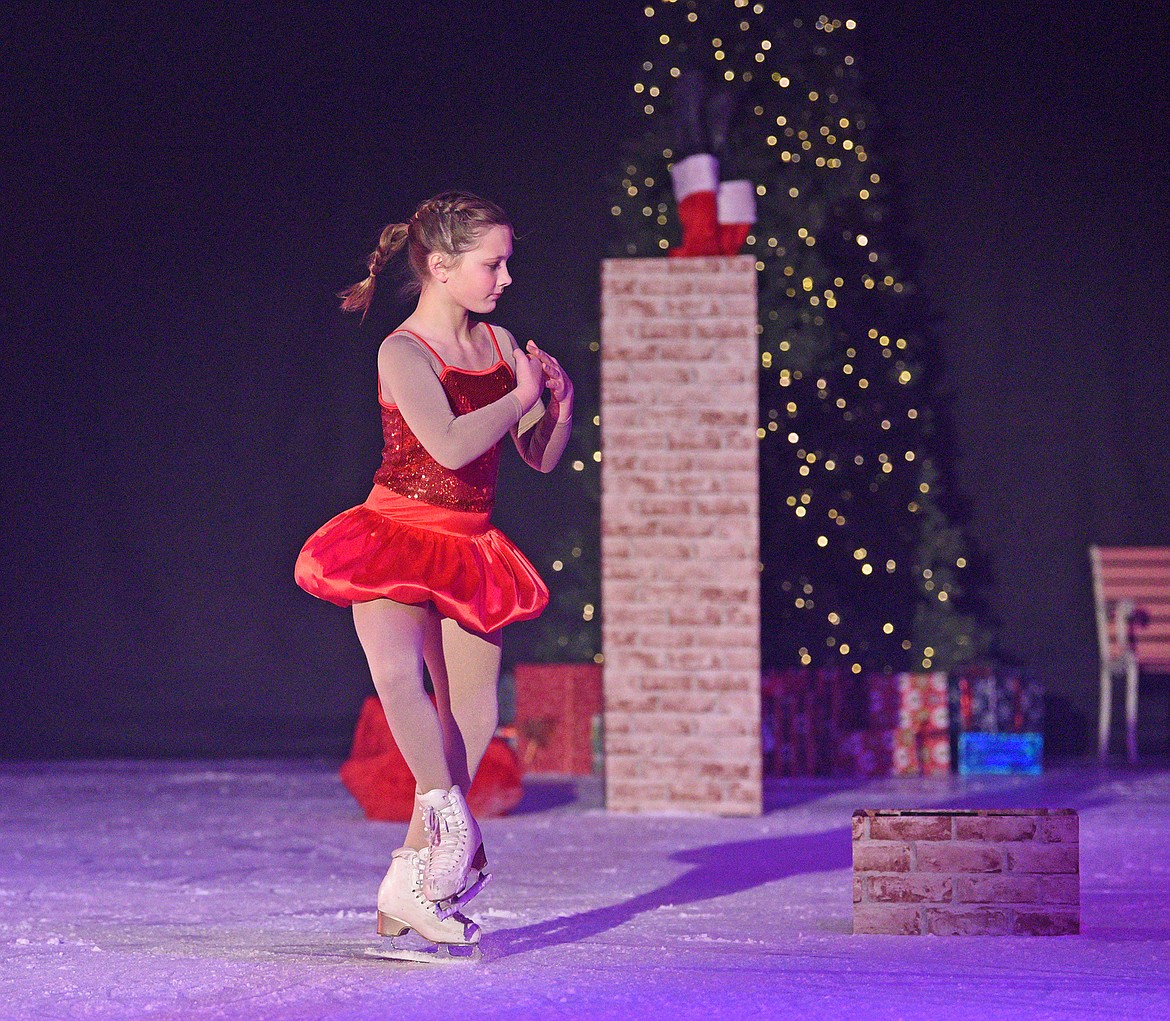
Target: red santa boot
(695,181)
(736,210)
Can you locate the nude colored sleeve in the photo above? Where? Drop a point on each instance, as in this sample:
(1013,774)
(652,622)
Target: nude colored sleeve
(541,444)
(540,437)
(409,380)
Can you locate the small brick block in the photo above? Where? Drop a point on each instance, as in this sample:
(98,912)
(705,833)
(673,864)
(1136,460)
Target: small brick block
(1061,889)
(996,828)
(860,826)
(965,857)
(881,856)
(1061,829)
(1047,923)
(886,920)
(974,922)
(909,827)
(966,872)
(1043,858)
(999,889)
(913,886)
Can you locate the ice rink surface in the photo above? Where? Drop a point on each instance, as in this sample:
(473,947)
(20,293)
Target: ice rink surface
(246,890)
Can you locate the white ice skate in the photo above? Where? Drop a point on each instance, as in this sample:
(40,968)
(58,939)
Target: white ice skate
(402,909)
(456,869)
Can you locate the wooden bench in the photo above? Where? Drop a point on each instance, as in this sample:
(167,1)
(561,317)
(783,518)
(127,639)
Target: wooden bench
(1131,588)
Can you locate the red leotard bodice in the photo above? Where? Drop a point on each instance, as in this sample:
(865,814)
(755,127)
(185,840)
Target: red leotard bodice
(407,468)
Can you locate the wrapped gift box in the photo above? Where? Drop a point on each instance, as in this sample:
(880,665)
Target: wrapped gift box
(883,701)
(558,711)
(907,701)
(922,702)
(804,712)
(794,712)
(864,753)
(907,732)
(921,753)
(996,700)
(1001,754)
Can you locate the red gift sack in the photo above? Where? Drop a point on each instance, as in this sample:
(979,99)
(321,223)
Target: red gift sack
(376,774)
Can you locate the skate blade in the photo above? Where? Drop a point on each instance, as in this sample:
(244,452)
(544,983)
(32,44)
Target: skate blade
(447,907)
(426,953)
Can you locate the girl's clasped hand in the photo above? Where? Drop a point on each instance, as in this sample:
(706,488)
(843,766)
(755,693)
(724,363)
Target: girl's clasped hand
(553,377)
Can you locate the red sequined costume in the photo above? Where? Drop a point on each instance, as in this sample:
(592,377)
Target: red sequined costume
(424,533)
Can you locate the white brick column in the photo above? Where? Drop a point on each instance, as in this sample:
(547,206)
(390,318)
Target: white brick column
(680,535)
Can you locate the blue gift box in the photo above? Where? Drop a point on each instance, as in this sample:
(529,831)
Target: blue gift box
(1001,754)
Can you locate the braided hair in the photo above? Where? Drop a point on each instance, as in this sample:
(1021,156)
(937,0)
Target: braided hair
(450,223)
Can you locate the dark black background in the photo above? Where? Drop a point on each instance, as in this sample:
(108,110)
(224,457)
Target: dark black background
(185,189)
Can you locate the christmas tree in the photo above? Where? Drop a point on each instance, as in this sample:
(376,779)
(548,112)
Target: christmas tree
(861,565)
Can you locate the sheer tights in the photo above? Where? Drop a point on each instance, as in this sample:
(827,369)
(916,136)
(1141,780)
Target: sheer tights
(441,742)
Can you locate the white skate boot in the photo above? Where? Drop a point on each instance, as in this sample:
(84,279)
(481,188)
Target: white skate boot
(402,908)
(456,867)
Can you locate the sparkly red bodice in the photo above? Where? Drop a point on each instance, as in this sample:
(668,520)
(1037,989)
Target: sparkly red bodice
(407,468)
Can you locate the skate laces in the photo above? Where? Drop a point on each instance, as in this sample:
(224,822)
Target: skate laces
(418,866)
(448,834)
(431,824)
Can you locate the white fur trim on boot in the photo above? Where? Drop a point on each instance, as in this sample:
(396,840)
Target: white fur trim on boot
(736,202)
(694,174)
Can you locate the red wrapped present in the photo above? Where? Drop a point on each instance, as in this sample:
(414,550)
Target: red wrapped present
(922,701)
(883,701)
(804,711)
(864,753)
(376,774)
(559,708)
(921,753)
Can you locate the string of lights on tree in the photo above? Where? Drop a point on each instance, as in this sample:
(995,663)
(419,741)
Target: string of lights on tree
(570,628)
(861,566)
(574,612)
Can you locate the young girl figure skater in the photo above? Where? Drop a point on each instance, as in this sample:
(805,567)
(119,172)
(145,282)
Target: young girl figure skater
(429,579)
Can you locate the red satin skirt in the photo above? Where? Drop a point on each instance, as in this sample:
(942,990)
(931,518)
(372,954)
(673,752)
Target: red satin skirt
(392,547)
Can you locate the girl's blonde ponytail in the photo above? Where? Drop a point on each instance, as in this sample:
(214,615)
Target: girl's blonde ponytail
(357,298)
